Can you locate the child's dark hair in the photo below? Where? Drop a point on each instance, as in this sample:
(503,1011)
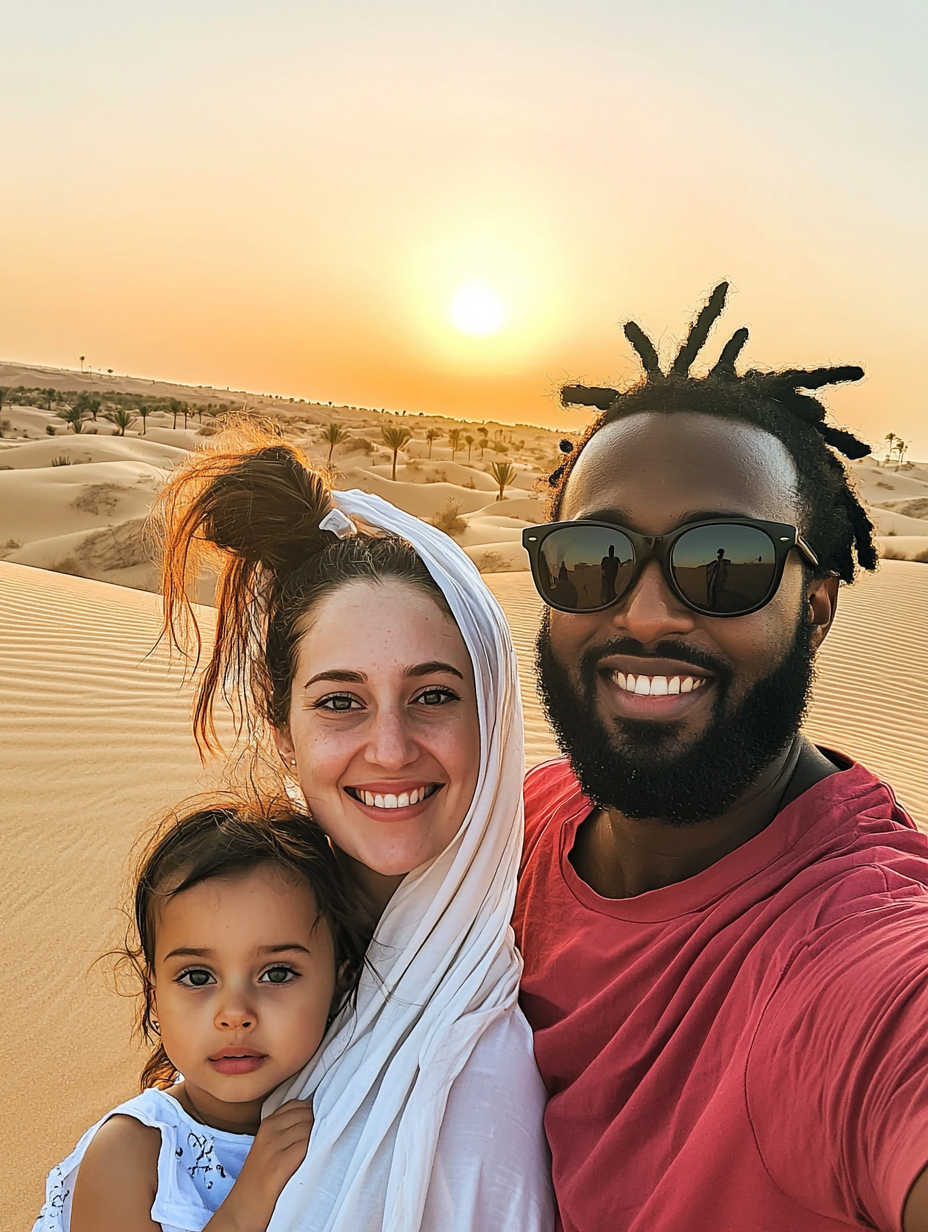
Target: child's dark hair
(836,524)
(227,838)
(250,505)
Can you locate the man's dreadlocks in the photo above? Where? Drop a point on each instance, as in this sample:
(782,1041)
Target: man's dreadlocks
(836,525)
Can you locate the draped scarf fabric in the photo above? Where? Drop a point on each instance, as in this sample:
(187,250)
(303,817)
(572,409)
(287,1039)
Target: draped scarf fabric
(444,961)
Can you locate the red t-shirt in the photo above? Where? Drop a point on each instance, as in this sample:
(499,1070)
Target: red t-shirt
(745,1050)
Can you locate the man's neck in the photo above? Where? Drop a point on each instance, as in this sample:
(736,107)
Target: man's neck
(620,857)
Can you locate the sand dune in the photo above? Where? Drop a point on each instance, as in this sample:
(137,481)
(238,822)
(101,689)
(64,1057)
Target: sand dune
(96,739)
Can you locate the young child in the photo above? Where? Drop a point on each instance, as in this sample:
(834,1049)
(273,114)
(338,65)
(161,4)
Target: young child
(247,946)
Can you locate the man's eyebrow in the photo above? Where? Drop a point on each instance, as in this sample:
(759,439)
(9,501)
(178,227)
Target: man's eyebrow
(624,518)
(434,665)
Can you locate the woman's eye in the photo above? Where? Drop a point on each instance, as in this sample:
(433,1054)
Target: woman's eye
(279,975)
(195,978)
(436,696)
(339,702)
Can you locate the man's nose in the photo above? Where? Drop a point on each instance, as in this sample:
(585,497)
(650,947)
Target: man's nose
(651,611)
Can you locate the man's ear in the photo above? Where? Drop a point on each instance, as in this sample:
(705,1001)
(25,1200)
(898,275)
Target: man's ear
(822,599)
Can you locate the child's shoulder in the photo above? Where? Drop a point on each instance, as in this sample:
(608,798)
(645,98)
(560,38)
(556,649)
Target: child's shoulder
(117,1181)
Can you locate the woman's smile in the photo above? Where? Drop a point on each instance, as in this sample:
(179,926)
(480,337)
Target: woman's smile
(397,800)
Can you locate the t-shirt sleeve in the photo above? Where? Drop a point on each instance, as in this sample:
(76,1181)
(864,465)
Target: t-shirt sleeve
(837,1078)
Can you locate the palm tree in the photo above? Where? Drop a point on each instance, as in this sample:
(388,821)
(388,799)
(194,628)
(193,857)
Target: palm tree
(469,442)
(176,407)
(82,358)
(483,433)
(334,435)
(901,448)
(144,411)
(122,419)
(74,415)
(395,439)
(432,434)
(454,438)
(501,474)
(889,438)
(88,406)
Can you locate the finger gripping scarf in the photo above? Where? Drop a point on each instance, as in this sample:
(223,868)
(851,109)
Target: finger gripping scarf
(444,957)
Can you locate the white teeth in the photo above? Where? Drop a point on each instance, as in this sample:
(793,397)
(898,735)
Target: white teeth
(657,686)
(390,801)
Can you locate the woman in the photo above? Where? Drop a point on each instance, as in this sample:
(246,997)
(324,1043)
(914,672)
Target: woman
(369,645)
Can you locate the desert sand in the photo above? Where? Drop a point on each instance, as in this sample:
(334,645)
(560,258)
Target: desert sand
(95,723)
(96,739)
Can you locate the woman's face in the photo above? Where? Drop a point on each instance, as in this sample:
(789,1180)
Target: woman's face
(383,724)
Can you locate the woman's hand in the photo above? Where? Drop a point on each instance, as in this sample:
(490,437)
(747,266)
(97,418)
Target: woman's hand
(277,1151)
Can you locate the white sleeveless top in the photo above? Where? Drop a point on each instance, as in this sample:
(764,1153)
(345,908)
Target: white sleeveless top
(197,1166)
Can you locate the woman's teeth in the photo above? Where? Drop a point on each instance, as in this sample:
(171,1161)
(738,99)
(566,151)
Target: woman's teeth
(657,686)
(388,801)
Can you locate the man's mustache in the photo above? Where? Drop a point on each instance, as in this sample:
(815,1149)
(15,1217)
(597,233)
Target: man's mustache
(678,651)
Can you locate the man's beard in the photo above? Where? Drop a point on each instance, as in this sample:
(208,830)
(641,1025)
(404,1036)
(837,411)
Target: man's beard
(631,765)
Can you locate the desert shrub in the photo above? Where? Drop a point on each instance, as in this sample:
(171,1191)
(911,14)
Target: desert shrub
(449,519)
(99,498)
(208,430)
(922,556)
(50,430)
(61,460)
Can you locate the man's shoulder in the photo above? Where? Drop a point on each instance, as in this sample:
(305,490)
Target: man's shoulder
(547,787)
(552,796)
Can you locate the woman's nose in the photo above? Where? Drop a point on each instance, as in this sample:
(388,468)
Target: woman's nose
(391,743)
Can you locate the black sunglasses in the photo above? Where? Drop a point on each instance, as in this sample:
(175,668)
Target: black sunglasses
(720,567)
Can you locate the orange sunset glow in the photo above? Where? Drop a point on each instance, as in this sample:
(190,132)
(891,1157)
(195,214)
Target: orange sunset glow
(452,209)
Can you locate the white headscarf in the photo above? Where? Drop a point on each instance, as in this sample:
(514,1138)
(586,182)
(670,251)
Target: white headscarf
(444,954)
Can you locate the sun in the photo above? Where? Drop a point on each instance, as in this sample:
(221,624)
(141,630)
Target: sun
(477,309)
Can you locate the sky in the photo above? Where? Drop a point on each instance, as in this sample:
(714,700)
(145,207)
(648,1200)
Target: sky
(321,199)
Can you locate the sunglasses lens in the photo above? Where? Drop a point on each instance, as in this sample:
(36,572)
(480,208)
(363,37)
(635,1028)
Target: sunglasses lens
(582,568)
(724,569)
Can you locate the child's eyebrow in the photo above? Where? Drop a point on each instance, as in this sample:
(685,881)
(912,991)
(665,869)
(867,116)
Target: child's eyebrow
(184,951)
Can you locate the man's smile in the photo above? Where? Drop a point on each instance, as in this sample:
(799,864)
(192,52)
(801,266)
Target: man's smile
(662,689)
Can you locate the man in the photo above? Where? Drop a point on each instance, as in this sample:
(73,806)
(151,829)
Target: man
(725,929)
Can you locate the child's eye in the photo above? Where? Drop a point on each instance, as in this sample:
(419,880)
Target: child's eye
(338,702)
(437,696)
(195,977)
(279,975)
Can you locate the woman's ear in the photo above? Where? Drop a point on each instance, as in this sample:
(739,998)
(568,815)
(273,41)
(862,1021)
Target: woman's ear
(285,748)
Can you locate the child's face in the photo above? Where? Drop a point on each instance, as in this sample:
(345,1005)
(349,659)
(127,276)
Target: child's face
(244,979)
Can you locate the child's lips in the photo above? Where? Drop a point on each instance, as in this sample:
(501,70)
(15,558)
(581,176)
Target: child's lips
(237,1061)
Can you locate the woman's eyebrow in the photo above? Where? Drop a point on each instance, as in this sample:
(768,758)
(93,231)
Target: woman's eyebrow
(184,951)
(338,673)
(426,669)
